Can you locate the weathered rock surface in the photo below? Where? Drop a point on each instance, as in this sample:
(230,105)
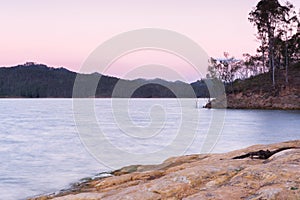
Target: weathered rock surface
(285,99)
(206,176)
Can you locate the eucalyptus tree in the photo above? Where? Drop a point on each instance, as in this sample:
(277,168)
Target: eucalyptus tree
(212,69)
(263,48)
(287,29)
(267,16)
(294,48)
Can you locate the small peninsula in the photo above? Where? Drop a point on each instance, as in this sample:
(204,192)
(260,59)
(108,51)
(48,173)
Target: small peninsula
(257,92)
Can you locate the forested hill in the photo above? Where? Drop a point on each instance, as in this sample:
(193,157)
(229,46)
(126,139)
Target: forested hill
(40,81)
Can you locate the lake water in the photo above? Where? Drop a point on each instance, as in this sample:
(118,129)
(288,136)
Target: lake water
(44,146)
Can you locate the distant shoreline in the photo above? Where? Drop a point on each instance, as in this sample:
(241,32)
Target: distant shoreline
(232,102)
(40,81)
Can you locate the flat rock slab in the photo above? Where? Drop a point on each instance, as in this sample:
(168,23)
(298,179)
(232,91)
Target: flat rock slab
(205,176)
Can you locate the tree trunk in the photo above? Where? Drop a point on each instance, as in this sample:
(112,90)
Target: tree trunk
(273,67)
(263,60)
(286,62)
(271,61)
(263,54)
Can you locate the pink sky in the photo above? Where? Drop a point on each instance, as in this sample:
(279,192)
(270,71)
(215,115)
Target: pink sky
(64,33)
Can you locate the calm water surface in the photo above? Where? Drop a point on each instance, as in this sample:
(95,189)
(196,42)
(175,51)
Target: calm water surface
(41,150)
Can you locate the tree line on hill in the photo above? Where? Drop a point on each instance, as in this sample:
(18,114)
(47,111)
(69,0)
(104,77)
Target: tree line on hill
(278,31)
(40,81)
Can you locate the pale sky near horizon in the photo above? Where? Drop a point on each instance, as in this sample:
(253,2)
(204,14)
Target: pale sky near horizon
(64,33)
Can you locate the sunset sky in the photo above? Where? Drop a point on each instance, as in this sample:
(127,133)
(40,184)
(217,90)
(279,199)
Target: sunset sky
(64,33)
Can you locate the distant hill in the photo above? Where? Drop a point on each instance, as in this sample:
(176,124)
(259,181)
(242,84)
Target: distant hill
(40,81)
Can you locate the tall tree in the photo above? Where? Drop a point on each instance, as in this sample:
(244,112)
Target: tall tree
(266,16)
(262,36)
(288,27)
(294,49)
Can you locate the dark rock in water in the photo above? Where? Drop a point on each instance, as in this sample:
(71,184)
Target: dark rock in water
(261,154)
(208,105)
(219,103)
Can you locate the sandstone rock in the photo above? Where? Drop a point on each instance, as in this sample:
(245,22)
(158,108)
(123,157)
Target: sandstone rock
(209,176)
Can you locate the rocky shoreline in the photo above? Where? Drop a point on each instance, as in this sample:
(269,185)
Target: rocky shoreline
(257,172)
(257,92)
(283,99)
